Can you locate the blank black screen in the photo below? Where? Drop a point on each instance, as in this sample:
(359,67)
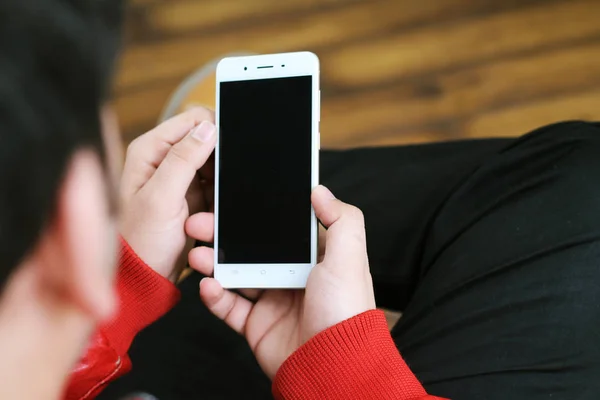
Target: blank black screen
(265,171)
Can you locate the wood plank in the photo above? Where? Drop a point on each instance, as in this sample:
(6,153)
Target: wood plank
(171,59)
(176,17)
(425,108)
(457,43)
(520,119)
(141,3)
(416,135)
(436,100)
(139,111)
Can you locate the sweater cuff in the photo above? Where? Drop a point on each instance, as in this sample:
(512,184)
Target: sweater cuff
(143,297)
(355,359)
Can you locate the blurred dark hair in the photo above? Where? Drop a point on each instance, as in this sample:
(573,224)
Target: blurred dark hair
(56,61)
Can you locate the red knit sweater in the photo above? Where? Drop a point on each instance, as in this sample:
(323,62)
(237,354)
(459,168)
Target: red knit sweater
(355,359)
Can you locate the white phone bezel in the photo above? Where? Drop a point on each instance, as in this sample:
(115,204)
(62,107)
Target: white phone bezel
(264,67)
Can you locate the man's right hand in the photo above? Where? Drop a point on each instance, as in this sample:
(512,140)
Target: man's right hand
(277,322)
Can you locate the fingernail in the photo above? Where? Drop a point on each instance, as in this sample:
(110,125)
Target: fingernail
(204,132)
(327,192)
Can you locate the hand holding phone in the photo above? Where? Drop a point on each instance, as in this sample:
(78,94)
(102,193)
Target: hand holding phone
(277,322)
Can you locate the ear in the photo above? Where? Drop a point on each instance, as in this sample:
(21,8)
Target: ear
(80,244)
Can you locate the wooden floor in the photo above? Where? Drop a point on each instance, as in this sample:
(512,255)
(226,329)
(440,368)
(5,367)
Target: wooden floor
(393,71)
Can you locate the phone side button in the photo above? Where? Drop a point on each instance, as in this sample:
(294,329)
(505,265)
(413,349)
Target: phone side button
(319,105)
(319,136)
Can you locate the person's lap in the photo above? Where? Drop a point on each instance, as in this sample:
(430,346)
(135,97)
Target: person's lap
(503,274)
(490,248)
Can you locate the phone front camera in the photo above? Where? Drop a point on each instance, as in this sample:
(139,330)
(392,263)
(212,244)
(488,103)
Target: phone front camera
(245,68)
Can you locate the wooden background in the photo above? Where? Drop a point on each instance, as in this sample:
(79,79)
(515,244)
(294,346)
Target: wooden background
(393,71)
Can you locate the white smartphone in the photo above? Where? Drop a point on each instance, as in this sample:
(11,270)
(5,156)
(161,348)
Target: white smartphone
(266,165)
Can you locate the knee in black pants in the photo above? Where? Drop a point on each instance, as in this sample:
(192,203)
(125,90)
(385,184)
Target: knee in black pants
(507,305)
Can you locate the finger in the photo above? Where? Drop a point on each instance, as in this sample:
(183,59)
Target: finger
(177,171)
(146,152)
(201,227)
(251,294)
(228,306)
(322,241)
(202,259)
(346,230)
(174,129)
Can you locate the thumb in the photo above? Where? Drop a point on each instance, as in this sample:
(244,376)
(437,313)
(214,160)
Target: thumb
(345,238)
(176,172)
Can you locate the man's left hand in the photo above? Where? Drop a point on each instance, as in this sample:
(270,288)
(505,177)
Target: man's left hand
(160,178)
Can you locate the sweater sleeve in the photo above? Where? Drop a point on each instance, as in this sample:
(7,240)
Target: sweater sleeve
(355,359)
(144,296)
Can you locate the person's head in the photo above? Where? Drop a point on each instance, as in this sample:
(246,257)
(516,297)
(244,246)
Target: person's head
(57,242)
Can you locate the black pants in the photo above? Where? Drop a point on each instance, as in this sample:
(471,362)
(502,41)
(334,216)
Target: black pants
(490,248)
